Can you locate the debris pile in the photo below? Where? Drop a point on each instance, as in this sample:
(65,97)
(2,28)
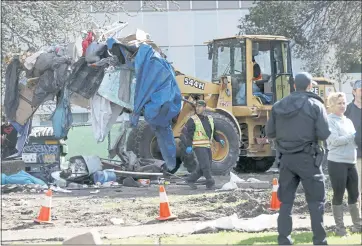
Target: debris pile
(110,76)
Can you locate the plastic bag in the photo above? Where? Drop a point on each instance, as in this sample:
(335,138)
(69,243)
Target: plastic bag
(44,88)
(85,80)
(228,186)
(43,63)
(234,178)
(94,52)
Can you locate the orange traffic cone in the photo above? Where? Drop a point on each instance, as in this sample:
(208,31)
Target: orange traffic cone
(275,203)
(165,211)
(45,210)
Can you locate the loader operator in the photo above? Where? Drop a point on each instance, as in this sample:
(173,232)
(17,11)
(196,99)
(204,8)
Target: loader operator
(199,131)
(297,123)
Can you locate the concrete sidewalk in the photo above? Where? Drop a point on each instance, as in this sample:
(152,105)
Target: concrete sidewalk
(116,232)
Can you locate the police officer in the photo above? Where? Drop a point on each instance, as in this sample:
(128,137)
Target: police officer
(298,123)
(199,131)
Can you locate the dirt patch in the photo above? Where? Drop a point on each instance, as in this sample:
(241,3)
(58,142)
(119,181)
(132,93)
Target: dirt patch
(141,205)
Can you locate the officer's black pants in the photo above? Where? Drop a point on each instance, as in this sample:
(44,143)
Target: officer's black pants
(296,168)
(204,159)
(343,176)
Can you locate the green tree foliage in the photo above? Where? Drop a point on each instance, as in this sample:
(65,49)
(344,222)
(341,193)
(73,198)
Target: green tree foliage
(315,27)
(32,24)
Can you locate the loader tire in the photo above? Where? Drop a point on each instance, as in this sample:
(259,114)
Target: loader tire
(254,164)
(225,159)
(132,142)
(142,141)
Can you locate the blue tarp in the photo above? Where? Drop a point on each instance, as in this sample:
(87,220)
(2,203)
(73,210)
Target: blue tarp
(62,117)
(20,178)
(156,89)
(157,93)
(167,145)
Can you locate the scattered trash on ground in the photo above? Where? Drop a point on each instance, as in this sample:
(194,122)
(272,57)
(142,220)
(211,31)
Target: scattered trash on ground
(27,188)
(116,221)
(21,178)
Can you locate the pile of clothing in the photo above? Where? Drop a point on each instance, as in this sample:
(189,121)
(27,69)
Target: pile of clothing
(129,74)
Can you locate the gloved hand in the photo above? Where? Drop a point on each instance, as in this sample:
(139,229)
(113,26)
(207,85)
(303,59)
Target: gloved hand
(222,142)
(188,150)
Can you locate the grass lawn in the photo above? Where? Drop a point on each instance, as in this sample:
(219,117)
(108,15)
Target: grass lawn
(236,239)
(81,141)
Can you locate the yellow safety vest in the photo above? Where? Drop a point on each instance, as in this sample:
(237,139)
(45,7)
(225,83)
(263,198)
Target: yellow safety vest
(200,137)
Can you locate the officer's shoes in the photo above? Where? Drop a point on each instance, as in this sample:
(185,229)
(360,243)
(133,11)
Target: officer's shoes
(192,185)
(210,187)
(210,184)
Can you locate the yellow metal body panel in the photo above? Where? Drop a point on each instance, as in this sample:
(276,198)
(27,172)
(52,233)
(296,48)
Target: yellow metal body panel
(51,142)
(192,85)
(259,37)
(225,94)
(218,97)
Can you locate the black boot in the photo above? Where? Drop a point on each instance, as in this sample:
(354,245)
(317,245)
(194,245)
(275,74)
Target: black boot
(210,184)
(192,185)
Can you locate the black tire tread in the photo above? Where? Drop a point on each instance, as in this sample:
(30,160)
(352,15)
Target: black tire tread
(230,122)
(135,138)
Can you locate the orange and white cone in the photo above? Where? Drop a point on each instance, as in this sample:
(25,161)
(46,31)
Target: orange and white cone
(275,203)
(165,211)
(45,210)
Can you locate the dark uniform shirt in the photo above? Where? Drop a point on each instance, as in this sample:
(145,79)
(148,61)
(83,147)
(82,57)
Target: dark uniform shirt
(189,130)
(354,114)
(297,121)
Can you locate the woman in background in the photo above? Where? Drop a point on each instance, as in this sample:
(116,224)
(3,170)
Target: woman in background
(342,159)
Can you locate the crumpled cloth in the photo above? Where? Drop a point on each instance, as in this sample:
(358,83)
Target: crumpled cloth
(20,178)
(111,61)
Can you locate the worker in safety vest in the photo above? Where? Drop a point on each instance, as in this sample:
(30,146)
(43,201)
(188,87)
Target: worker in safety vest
(199,132)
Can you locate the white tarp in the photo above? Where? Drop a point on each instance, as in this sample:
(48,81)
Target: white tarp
(257,224)
(103,115)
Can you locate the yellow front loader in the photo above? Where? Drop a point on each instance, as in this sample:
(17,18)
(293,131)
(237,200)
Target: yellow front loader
(239,102)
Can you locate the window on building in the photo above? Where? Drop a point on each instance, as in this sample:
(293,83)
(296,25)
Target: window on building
(155,4)
(132,6)
(80,118)
(203,5)
(164,50)
(202,64)
(45,120)
(228,4)
(183,5)
(247,4)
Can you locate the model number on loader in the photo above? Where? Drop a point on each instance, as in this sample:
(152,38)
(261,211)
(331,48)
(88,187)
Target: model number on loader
(194,83)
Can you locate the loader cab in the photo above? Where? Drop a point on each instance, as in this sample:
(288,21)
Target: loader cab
(241,57)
